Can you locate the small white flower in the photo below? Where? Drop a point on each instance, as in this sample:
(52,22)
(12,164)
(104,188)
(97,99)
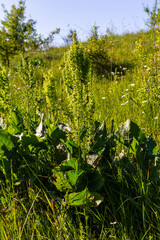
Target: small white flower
(127,89)
(103,98)
(59,68)
(113,223)
(145,101)
(124,103)
(132,85)
(156,118)
(123,96)
(112,73)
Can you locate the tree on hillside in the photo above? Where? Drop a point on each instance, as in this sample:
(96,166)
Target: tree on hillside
(153,22)
(17,34)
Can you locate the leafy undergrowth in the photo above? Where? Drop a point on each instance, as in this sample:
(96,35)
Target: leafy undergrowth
(51,189)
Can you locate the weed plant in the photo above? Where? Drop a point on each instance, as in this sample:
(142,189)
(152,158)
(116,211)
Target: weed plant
(114,196)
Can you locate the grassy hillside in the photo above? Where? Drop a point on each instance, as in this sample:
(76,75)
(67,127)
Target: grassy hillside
(73,166)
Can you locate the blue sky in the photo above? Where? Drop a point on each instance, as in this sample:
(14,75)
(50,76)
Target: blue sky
(118,15)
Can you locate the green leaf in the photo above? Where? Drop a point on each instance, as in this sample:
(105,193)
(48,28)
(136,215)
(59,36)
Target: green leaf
(74,176)
(134,146)
(84,197)
(16,122)
(7,140)
(34,141)
(79,198)
(61,183)
(72,163)
(95,181)
(71,146)
(55,133)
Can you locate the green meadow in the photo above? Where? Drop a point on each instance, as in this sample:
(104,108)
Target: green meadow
(79,133)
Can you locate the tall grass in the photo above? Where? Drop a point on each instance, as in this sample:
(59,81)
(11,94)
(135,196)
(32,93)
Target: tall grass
(130,209)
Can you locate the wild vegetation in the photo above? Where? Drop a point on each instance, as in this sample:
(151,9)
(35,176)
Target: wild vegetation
(79,133)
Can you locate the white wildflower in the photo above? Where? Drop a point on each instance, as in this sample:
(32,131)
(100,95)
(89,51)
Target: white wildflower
(124,103)
(156,118)
(103,98)
(132,85)
(145,101)
(113,223)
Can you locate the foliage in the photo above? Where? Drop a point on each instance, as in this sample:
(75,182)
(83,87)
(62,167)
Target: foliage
(50,93)
(133,177)
(29,97)
(98,54)
(82,179)
(4,91)
(48,41)
(68,39)
(77,89)
(16,35)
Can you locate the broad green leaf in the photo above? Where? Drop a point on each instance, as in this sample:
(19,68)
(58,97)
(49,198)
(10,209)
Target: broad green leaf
(72,163)
(95,181)
(134,146)
(7,140)
(61,183)
(71,146)
(74,176)
(16,122)
(79,198)
(28,141)
(55,133)
(84,197)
